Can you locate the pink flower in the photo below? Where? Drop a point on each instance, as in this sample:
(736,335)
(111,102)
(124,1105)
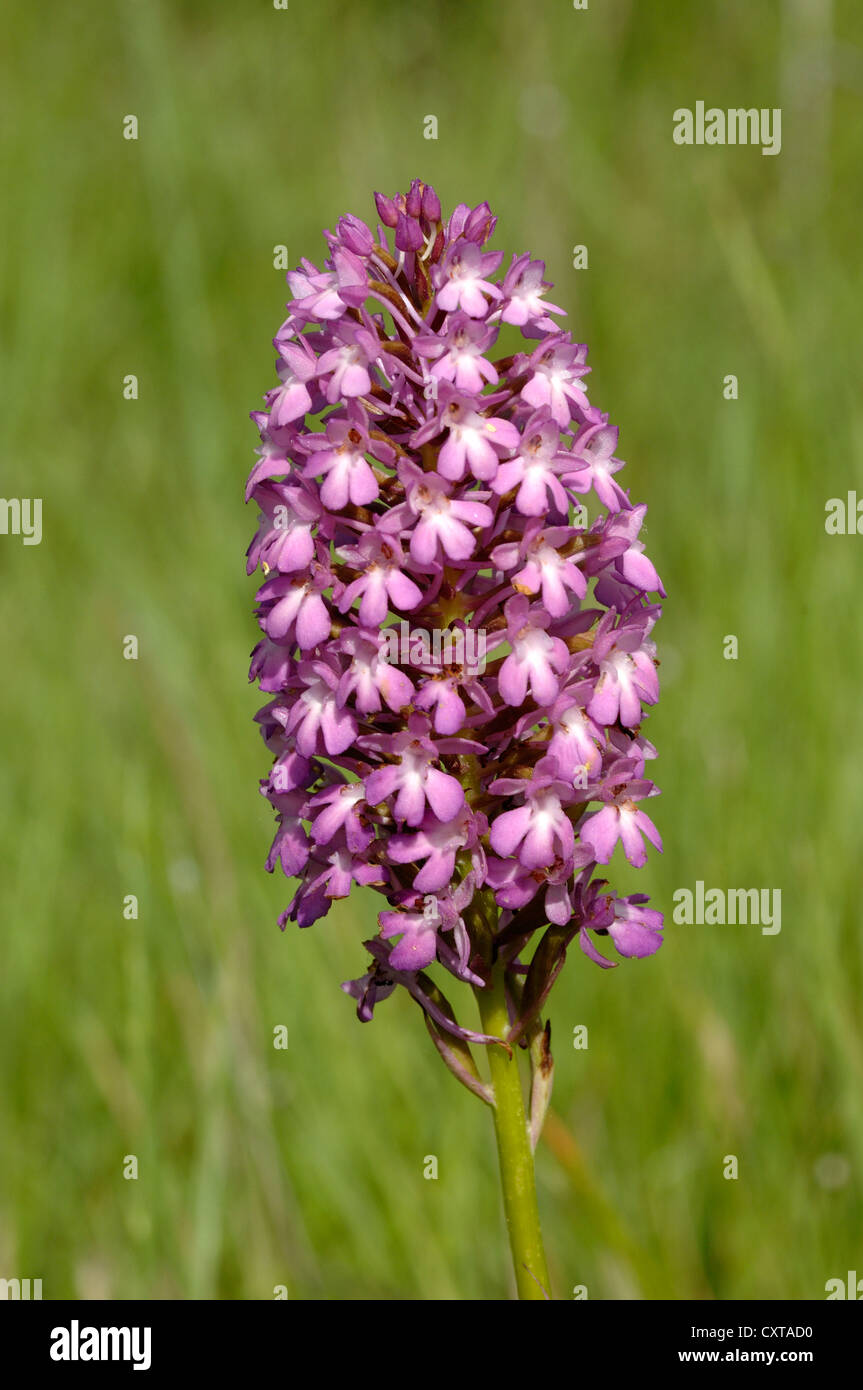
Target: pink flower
(381,581)
(457,665)
(474,441)
(442,521)
(460,279)
(539,832)
(523,291)
(340,458)
(459,353)
(413,781)
(555,370)
(537,660)
(535,470)
(291,400)
(620,819)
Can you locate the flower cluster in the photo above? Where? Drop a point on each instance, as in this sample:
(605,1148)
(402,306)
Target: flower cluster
(407,474)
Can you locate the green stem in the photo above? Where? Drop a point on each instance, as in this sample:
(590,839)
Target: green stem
(513,1147)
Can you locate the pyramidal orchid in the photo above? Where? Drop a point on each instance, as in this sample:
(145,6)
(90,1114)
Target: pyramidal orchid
(456,612)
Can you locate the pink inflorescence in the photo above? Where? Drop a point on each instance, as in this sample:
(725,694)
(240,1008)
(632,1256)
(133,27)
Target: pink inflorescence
(458,656)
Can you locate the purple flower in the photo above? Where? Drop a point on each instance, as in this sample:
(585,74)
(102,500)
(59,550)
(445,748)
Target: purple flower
(347,362)
(620,818)
(523,289)
(412,779)
(474,442)
(554,372)
(537,660)
(421,494)
(285,539)
(295,609)
(576,741)
(459,279)
(339,811)
(317,719)
(636,929)
(539,831)
(593,450)
(442,526)
(541,564)
(371,679)
(627,674)
(418,931)
(535,470)
(290,847)
(380,582)
(457,353)
(340,458)
(291,400)
(436,842)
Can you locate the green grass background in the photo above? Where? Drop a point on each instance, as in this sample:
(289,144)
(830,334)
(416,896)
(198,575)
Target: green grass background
(153,1037)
